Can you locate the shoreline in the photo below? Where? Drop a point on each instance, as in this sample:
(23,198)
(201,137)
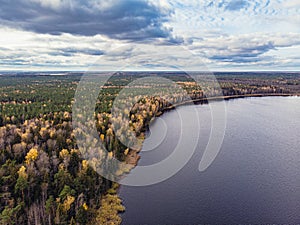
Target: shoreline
(133,156)
(226,98)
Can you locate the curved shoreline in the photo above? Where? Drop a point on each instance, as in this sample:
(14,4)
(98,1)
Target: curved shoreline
(133,157)
(226,98)
(251,124)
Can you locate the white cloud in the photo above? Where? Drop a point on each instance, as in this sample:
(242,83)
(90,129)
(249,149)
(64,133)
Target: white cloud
(53,4)
(235,34)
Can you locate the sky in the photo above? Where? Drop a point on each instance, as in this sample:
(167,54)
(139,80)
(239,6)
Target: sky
(83,35)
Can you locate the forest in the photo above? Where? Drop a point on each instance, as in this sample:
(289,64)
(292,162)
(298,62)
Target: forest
(44,176)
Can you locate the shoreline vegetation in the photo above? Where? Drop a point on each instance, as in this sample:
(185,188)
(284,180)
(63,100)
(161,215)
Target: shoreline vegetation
(44,178)
(229,97)
(133,157)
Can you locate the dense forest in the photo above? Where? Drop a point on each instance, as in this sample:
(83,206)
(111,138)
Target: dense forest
(43,175)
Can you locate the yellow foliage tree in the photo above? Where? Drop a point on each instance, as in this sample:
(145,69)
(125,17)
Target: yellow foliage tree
(52,133)
(64,153)
(31,155)
(126,151)
(43,131)
(67,115)
(74,151)
(25,137)
(111,206)
(85,207)
(68,202)
(102,137)
(85,164)
(22,172)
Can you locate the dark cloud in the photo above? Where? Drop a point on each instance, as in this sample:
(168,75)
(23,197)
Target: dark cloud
(134,20)
(243,55)
(235,58)
(73,51)
(18,62)
(4,49)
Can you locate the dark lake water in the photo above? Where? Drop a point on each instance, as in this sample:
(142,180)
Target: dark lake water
(255,179)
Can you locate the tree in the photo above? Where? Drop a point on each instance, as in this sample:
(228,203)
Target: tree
(83,214)
(50,208)
(66,191)
(31,155)
(22,181)
(10,215)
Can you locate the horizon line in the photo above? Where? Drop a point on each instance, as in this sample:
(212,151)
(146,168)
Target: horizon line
(125,71)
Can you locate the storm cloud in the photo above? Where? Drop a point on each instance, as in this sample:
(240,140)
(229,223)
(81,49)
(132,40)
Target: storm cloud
(133,20)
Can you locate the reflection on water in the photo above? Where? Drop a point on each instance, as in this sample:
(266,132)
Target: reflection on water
(254,180)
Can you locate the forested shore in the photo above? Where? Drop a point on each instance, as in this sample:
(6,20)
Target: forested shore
(44,178)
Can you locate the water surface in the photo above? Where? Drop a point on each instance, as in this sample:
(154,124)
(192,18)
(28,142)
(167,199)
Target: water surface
(255,179)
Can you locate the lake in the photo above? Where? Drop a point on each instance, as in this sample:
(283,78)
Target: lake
(255,178)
